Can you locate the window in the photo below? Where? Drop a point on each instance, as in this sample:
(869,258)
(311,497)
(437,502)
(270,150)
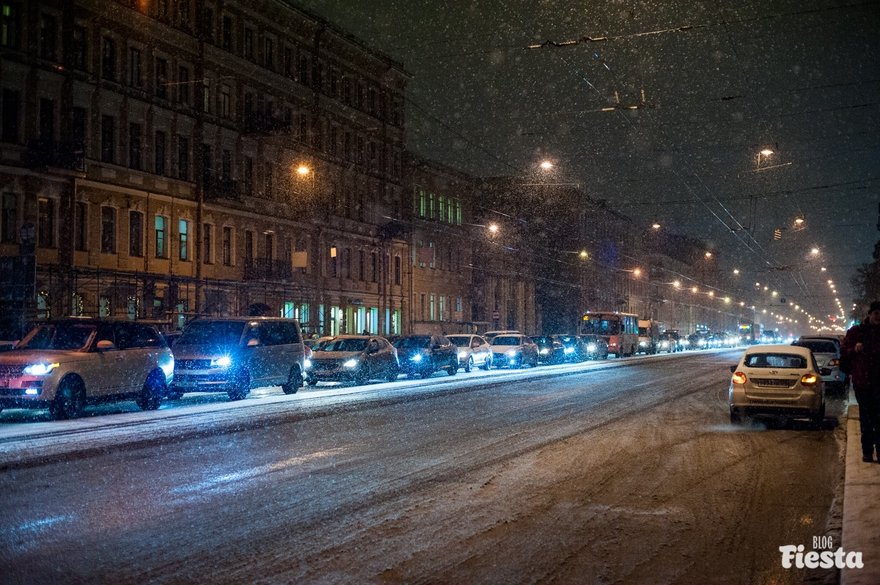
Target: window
(269,171)
(80,225)
(248,175)
(183,158)
(183,239)
(183,85)
(159,152)
(78,128)
(135,233)
(346,263)
(431,304)
(108,59)
(269,53)
(248,43)
(374,261)
(134,146)
(9,218)
(333,267)
(78,54)
(10,26)
(226,41)
(225,110)
(206,96)
(47,121)
(226,165)
(135,74)
(208,24)
(208,242)
(10,115)
(161,230)
(397,266)
(270,248)
(249,246)
(161,78)
(48,37)
(108,139)
(108,230)
(362,265)
(227,246)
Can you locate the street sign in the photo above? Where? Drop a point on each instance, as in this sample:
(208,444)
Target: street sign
(496,315)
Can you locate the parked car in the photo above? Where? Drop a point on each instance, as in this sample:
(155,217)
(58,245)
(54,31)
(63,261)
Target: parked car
(776,380)
(354,358)
(422,355)
(65,364)
(826,350)
(513,351)
(473,350)
(573,347)
(668,342)
(235,354)
(491,334)
(550,349)
(595,347)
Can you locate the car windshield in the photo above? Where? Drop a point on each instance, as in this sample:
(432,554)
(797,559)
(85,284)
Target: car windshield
(460,340)
(60,336)
(817,345)
(776,360)
(506,340)
(345,344)
(542,340)
(212,333)
(414,342)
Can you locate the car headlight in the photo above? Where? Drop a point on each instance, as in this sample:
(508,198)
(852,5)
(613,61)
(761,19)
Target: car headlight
(167,366)
(462,355)
(643,343)
(545,351)
(222,362)
(39,369)
(568,350)
(511,352)
(592,347)
(307,363)
(664,344)
(352,363)
(416,358)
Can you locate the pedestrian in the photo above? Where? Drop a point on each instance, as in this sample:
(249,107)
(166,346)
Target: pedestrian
(861,347)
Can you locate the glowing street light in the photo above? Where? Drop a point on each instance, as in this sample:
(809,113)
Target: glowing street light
(493,228)
(583,255)
(303,170)
(546,165)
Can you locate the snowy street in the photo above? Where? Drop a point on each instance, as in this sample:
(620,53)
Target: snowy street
(625,474)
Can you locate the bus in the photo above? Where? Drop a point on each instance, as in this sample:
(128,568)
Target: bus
(620,329)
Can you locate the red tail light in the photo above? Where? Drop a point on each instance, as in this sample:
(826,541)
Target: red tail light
(739,378)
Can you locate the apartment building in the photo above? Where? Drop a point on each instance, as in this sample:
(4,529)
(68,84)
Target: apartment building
(177,158)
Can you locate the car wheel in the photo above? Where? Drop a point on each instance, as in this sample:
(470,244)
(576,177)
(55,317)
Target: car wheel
(294,381)
(311,381)
(151,394)
(392,374)
(819,417)
(69,400)
(426,374)
(487,365)
(360,379)
(469,364)
(735,417)
(240,386)
(452,369)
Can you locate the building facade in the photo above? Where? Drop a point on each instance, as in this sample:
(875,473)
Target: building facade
(170,159)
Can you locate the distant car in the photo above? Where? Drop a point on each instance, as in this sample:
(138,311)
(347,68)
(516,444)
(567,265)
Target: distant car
(595,347)
(171,336)
(513,351)
(354,358)
(473,350)
(65,364)
(667,343)
(781,380)
(826,350)
(422,355)
(697,341)
(550,349)
(490,334)
(6,345)
(573,347)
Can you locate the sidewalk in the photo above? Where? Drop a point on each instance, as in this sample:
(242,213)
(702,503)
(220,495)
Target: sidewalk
(861,507)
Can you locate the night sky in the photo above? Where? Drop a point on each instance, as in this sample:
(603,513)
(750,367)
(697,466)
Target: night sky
(712,84)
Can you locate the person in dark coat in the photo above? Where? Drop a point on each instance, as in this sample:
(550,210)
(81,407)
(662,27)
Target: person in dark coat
(861,347)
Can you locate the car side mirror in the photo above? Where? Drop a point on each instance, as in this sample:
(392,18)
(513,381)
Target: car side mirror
(105,345)
(253,342)
(733,369)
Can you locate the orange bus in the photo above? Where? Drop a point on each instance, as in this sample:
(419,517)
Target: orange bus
(621,330)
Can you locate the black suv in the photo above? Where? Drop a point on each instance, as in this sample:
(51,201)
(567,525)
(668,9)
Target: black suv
(422,355)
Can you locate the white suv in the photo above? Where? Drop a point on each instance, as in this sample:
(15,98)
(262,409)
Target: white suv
(65,364)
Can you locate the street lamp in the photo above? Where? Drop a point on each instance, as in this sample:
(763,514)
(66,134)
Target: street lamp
(546,165)
(763,155)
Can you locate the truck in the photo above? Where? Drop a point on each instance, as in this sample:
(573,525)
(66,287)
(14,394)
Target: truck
(649,336)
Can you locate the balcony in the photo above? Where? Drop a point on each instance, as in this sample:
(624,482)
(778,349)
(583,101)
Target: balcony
(60,155)
(267,269)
